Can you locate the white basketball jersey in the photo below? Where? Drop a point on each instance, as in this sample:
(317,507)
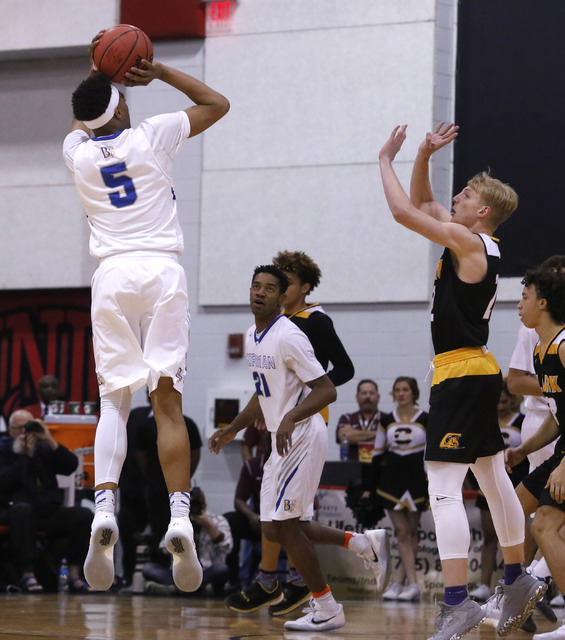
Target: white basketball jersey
(281,360)
(523,360)
(125,184)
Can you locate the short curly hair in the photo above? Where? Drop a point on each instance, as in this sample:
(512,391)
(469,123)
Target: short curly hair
(301,264)
(91,98)
(551,286)
(274,271)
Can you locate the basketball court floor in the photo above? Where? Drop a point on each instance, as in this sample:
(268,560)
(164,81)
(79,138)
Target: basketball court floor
(110,617)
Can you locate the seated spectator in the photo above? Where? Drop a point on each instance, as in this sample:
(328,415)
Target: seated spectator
(361,426)
(144,498)
(48,394)
(245,523)
(213,539)
(31,501)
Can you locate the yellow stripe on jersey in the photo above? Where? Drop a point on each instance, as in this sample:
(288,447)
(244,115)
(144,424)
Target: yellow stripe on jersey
(459,363)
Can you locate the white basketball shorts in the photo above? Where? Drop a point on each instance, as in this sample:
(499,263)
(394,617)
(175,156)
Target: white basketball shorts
(532,422)
(289,484)
(140,321)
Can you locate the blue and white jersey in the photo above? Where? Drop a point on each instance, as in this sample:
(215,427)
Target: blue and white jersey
(281,360)
(125,184)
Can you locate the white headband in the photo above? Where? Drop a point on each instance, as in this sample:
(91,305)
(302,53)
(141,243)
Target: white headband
(108,114)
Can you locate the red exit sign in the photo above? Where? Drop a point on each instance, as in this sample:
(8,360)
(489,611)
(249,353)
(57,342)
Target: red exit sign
(219,11)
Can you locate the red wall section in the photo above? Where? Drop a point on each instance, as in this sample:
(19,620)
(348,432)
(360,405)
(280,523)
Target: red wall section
(162,19)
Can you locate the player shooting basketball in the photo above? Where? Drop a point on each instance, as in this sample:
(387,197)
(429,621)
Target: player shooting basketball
(140,318)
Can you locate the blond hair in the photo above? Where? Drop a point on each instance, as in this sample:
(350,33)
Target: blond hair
(500,197)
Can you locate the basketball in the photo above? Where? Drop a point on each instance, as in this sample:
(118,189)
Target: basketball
(120,48)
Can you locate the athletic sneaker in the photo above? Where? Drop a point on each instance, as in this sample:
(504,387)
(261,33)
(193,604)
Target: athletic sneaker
(253,596)
(99,563)
(545,609)
(481,593)
(518,601)
(556,634)
(493,610)
(454,621)
(410,593)
(377,556)
(393,591)
(318,618)
(293,596)
(179,542)
(557,601)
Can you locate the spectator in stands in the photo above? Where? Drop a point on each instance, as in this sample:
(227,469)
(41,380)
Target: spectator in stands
(31,501)
(361,426)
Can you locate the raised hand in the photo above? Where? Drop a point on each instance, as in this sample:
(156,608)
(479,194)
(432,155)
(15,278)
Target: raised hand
(144,74)
(393,145)
(441,136)
(93,44)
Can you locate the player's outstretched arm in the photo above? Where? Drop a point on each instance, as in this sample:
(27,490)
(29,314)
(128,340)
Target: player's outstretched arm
(210,105)
(455,236)
(421,193)
(222,436)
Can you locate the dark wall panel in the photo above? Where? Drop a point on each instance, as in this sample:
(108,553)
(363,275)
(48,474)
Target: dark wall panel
(510,105)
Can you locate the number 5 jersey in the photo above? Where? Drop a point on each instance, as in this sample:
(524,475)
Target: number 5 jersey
(125,184)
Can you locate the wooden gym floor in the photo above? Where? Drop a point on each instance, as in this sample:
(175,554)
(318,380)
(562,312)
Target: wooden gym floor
(109,617)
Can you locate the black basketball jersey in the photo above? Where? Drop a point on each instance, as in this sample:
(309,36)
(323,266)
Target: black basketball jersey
(551,377)
(319,328)
(461,311)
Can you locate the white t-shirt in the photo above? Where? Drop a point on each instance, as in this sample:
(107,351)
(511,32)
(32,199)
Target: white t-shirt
(281,360)
(523,359)
(125,184)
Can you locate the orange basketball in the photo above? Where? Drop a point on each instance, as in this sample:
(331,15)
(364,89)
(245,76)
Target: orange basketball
(121,48)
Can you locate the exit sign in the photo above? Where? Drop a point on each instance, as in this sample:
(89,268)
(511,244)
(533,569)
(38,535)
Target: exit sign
(219,16)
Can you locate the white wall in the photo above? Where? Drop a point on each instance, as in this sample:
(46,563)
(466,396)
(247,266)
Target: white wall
(30,28)
(314,87)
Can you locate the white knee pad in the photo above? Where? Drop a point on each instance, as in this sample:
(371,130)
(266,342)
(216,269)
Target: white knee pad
(110,445)
(445,481)
(504,505)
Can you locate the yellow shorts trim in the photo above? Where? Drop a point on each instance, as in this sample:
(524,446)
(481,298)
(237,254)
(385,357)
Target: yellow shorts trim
(459,363)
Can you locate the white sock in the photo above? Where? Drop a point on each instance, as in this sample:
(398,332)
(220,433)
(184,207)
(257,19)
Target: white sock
(541,570)
(104,500)
(358,543)
(327,601)
(532,567)
(179,502)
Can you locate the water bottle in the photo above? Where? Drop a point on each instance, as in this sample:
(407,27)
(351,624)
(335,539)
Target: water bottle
(343,447)
(63,577)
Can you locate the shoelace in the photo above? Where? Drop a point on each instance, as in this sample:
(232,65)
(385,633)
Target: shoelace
(494,602)
(309,608)
(443,618)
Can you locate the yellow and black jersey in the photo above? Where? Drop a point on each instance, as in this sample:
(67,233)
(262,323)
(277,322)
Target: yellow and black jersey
(551,377)
(319,329)
(461,311)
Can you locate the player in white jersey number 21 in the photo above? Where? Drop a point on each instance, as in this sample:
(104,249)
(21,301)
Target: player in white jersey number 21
(291,388)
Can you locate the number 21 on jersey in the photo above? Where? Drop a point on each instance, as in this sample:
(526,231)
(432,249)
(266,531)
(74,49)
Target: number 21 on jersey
(261,385)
